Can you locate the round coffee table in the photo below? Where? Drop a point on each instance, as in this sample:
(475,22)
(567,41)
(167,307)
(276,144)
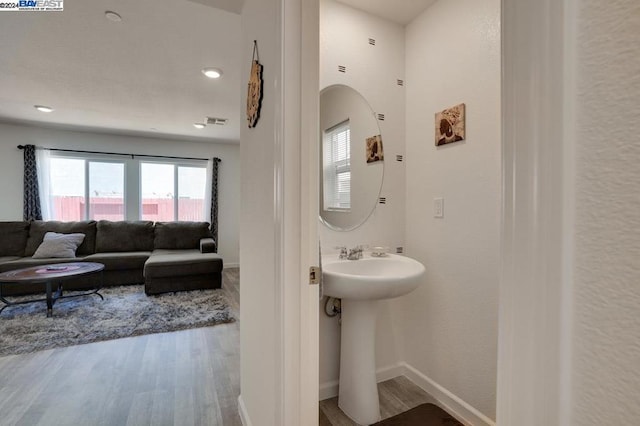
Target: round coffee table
(50,274)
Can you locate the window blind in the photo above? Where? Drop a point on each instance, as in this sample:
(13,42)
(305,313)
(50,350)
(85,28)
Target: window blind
(337,167)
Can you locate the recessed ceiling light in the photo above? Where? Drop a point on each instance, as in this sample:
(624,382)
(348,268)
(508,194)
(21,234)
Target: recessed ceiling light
(212,72)
(112,16)
(199,125)
(43,108)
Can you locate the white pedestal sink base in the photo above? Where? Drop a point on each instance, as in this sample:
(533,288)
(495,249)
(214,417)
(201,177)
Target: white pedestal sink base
(359,284)
(358,392)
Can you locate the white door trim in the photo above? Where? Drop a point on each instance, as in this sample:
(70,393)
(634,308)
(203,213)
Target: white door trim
(296,183)
(537,221)
(309,178)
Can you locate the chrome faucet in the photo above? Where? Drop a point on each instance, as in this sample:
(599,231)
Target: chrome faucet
(355,253)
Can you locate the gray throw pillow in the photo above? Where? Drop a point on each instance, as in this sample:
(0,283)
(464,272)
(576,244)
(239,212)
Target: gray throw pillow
(58,245)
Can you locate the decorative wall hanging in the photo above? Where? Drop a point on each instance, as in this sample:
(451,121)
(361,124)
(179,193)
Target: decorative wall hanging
(450,125)
(254,94)
(374,149)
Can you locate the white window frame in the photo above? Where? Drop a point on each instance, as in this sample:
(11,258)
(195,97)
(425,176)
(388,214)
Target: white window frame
(176,163)
(95,158)
(132,192)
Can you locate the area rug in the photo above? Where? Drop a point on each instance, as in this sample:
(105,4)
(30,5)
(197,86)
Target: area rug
(422,415)
(125,311)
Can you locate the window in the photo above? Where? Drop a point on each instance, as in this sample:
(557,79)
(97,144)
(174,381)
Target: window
(106,191)
(98,187)
(157,191)
(170,191)
(192,183)
(76,180)
(337,167)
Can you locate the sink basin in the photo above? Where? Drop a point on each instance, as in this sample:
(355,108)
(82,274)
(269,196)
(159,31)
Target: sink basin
(371,278)
(361,284)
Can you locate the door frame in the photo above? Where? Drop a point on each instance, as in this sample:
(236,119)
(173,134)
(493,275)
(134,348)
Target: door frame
(538,155)
(298,217)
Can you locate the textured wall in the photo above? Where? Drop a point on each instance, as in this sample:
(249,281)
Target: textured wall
(373,71)
(606,337)
(450,322)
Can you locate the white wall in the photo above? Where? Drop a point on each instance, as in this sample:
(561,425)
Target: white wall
(11,169)
(606,292)
(260,338)
(279,317)
(373,71)
(450,322)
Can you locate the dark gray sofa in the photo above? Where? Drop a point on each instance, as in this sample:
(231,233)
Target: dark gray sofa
(165,256)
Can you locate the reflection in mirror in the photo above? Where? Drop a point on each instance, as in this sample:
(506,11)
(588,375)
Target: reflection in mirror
(352,164)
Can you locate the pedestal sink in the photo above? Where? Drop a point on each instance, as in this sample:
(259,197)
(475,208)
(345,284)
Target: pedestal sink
(360,284)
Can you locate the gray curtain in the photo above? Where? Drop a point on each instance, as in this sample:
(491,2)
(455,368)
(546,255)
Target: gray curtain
(31,205)
(214,201)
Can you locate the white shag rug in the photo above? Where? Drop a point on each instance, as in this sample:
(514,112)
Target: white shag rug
(125,311)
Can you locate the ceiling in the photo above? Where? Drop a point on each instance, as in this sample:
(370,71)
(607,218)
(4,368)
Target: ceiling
(139,76)
(401,12)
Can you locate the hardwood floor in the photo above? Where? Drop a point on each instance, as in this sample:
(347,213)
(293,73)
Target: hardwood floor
(189,377)
(396,396)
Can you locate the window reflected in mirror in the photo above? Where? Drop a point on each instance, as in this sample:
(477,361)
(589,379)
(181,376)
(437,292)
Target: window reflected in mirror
(337,167)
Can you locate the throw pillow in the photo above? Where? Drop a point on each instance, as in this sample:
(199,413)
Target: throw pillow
(58,245)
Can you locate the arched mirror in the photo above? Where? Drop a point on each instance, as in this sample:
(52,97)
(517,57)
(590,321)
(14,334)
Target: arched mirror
(351,158)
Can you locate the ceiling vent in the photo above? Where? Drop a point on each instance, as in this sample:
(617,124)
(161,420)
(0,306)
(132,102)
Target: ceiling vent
(216,120)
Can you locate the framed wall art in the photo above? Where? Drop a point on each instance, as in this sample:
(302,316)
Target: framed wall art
(450,125)
(374,149)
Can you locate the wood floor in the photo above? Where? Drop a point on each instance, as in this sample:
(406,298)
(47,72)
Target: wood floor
(189,377)
(396,396)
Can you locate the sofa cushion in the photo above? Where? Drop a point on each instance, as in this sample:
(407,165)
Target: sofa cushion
(124,236)
(39,228)
(180,235)
(13,238)
(58,245)
(120,261)
(27,262)
(173,263)
(4,259)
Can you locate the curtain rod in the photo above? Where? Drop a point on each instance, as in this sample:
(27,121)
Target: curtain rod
(126,155)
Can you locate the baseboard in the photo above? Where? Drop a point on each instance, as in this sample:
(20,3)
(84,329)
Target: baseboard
(330,389)
(230,265)
(242,410)
(453,404)
(389,372)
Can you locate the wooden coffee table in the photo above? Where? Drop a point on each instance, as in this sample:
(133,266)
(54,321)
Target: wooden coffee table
(50,274)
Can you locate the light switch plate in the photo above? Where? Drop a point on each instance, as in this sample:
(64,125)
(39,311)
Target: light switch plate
(438,207)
